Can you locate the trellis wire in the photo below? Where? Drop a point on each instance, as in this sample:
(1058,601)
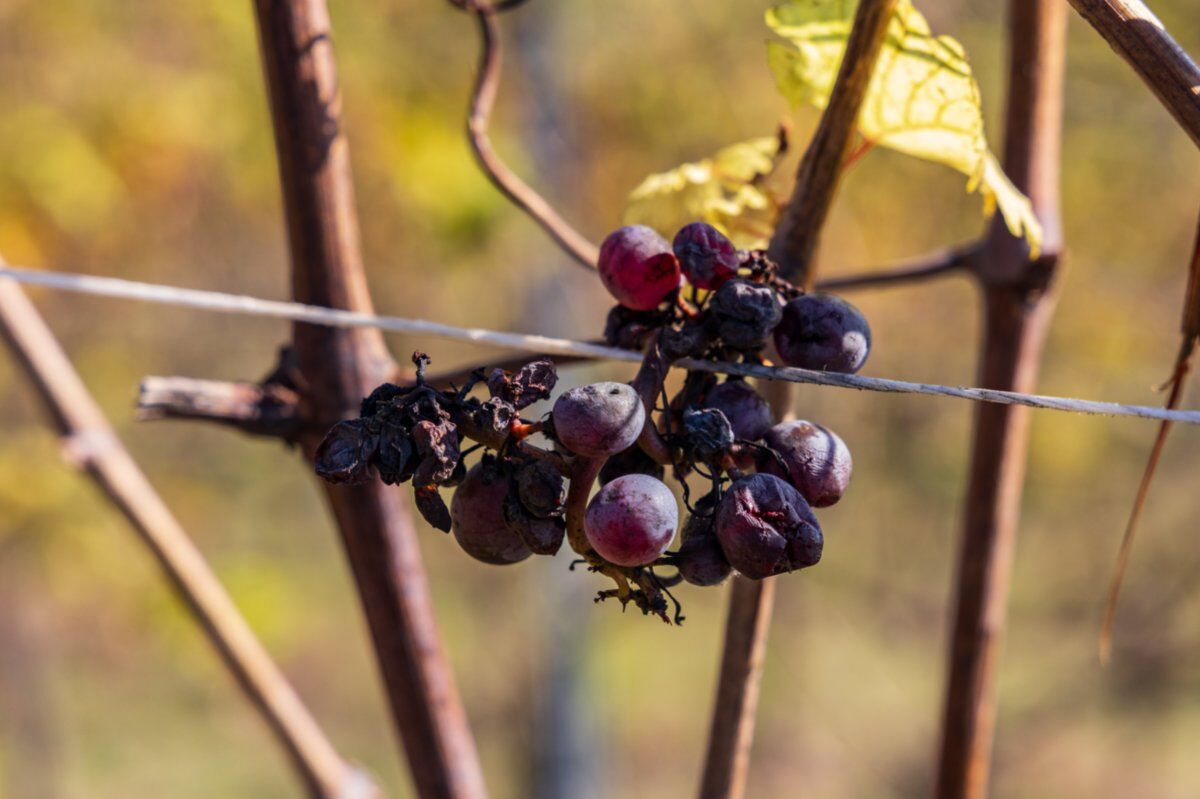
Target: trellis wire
(244,305)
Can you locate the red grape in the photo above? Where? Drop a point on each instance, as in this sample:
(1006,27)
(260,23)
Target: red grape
(708,259)
(631,521)
(637,267)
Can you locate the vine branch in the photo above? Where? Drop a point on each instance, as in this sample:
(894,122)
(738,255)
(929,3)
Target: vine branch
(483,101)
(732,728)
(1018,298)
(91,444)
(1136,34)
(254,408)
(792,246)
(794,243)
(336,368)
(940,264)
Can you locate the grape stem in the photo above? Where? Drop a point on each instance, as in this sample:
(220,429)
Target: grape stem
(583,472)
(648,384)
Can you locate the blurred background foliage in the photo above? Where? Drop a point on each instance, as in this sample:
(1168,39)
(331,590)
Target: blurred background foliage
(135,142)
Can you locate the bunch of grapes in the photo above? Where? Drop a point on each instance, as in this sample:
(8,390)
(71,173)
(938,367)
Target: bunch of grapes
(700,298)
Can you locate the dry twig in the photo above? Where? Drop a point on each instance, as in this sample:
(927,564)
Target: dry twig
(1183,366)
(483,100)
(90,443)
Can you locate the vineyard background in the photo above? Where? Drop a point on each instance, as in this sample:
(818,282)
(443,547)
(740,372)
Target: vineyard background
(136,143)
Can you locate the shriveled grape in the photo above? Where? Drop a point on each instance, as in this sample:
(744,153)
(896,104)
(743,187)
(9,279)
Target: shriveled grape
(812,458)
(823,332)
(708,259)
(700,560)
(744,314)
(766,527)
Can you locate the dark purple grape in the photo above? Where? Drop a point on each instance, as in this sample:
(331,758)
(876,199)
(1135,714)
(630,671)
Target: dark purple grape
(477,517)
(541,489)
(747,412)
(700,560)
(745,313)
(630,329)
(817,461)
(707,258)
(600,419)
(631,521)
(637,267)
(542,536)
(823,332)
(691,340)
(706,433)
(765,527)
(630,461)
(344,455)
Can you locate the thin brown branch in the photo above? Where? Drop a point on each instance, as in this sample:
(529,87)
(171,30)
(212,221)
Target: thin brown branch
(337,368)
(1131,29)
(940,264)
(1182,368)
(751,602)
(1190,329)
(483,100)
(257,409)
(732,729)
(92,444)
(1019,299)
(795,241)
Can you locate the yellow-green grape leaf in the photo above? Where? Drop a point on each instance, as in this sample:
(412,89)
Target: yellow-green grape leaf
(724,191)
(922,100)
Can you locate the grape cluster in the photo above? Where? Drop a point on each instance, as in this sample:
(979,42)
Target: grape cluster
(696,297)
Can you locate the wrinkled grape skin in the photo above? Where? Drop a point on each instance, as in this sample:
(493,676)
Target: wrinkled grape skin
(818,461)
(823,332)
(765,527)
(707,258)
(631,521)
(637,267)
(541,490)
(748,413)
(477,519)
(600,419)
(744,314)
